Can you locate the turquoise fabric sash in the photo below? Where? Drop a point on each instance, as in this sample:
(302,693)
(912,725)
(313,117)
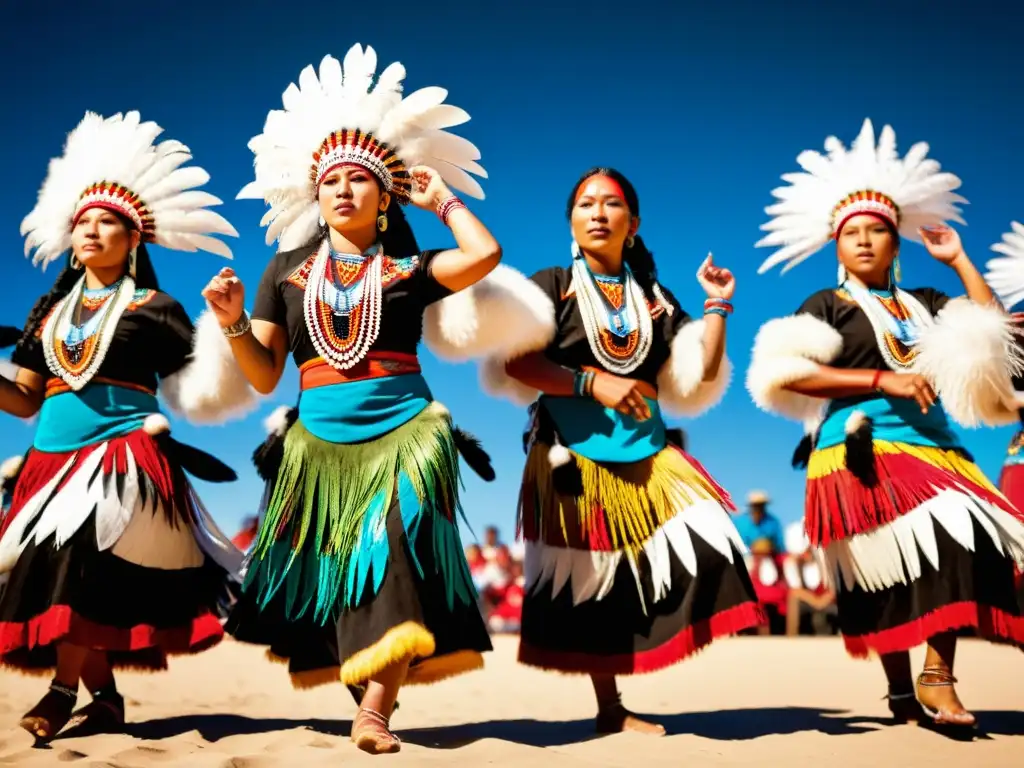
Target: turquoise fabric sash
(603,434)
(357,411)
(894,420)
(73,420)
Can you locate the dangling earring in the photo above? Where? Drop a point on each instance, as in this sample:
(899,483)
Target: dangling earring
(630,241)
(841,274)
(897,273)
(382,222)
(75,263)
(323,221)
(575,250)
(132,260)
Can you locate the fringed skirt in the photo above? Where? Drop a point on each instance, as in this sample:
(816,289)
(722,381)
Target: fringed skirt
(109,548)
(638,568)
(1011,483)
(914,538)
(358,562)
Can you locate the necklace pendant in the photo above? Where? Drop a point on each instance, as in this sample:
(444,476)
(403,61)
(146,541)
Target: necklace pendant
(342,324)
(74,352)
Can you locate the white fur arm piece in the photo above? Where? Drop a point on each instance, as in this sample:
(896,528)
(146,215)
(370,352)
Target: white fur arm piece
(681,386)
(502,317)
(970,356)
(786,350)
(211,388)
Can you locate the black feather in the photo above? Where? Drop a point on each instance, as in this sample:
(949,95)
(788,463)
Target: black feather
(473,452)
(676,436)
(196,462)
(802,454)
(269,454)
(860,453)
(9,336)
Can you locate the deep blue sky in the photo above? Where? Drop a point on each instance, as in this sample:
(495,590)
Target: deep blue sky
(703,109)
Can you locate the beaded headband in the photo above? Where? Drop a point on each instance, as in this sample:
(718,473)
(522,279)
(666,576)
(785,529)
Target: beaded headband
(119,199)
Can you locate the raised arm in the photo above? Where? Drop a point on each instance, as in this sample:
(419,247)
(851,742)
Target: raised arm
(944,245)
(478,253)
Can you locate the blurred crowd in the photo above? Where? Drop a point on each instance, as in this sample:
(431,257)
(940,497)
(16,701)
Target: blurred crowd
(497,570)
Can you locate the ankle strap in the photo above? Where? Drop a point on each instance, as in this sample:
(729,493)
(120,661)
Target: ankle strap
(64,690)
(945,677)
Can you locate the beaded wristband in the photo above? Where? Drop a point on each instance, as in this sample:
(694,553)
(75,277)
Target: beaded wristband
(446,206)
(583,383)
(240,328)
(718,303)
(716,311)
(876,381)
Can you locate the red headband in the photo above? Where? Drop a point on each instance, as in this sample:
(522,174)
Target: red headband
(614,184)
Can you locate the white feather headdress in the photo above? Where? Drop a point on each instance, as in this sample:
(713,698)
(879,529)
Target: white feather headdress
(114,163)
(911,192)
(350,114)
(1005,274)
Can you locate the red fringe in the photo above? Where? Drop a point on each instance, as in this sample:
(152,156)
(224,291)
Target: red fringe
(723,494)
(1011,483)
(60,623)
(40,467)
(839,505)
(689,641)
(989,623)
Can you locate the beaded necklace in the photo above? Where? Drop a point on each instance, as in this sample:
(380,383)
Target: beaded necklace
(344,320)
(897,319)
(620,337)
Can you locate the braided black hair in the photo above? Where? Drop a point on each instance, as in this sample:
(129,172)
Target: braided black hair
(637,256)
(145,277)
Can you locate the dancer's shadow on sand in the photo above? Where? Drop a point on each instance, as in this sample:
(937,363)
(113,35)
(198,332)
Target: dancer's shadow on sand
(722,725)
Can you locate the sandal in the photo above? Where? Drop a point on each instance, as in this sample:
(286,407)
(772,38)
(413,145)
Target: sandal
(371,732)
(104,714)
(940,717)
(613,717)
(51,714)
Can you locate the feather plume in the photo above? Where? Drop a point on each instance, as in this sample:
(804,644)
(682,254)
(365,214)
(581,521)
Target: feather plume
(802,218)
(473,452)
(1005,273)
(121,150)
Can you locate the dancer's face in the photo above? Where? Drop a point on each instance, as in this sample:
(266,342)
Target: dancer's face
(101,240)
(866,247)
(601,220)
(351,199)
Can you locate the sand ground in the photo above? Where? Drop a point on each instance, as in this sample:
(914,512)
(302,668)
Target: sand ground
(744,701)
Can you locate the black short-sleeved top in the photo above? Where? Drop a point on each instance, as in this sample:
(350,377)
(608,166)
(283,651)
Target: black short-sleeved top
(860,346)
(152,340)
(570,347)
(408,288)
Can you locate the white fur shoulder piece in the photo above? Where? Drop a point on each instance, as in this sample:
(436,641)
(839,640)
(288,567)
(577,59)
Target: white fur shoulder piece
(211,388)
(788,349)
(503,316)
(681,386)
(969,355)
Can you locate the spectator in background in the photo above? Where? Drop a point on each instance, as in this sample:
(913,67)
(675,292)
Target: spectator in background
(491,542)
(808,594)
(505,604)
(760,530)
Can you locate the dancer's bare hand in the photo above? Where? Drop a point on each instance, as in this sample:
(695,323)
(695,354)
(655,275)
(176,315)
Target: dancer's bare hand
(225,296)
(620,394)
(909,386)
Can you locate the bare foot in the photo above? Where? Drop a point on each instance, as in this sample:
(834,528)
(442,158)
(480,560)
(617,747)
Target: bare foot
(371,732)
(937,695)
(618,719)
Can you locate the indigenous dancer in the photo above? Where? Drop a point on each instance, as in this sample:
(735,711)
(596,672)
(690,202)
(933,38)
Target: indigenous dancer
(914,538)
(11,467)
(110,558)
(358,559)
(632,560)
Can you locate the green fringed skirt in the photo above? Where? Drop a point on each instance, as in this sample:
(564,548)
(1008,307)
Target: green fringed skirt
(358,562)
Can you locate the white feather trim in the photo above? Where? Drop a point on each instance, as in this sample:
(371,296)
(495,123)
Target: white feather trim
(970,356)
(855,421)
(681,386)
(786,350)
(211,388)
(502,316)
(277,422)
(156,424)
(10,467)
(559,456)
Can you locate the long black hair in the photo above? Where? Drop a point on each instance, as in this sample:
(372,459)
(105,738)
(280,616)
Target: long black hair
(637,256)
(145,277)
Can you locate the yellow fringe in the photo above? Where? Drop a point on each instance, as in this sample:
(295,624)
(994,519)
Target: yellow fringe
(636,499)
(439,668)
(408,640)
(312,678)
(828,460)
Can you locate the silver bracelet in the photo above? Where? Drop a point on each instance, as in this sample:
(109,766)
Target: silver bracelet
(239,328)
